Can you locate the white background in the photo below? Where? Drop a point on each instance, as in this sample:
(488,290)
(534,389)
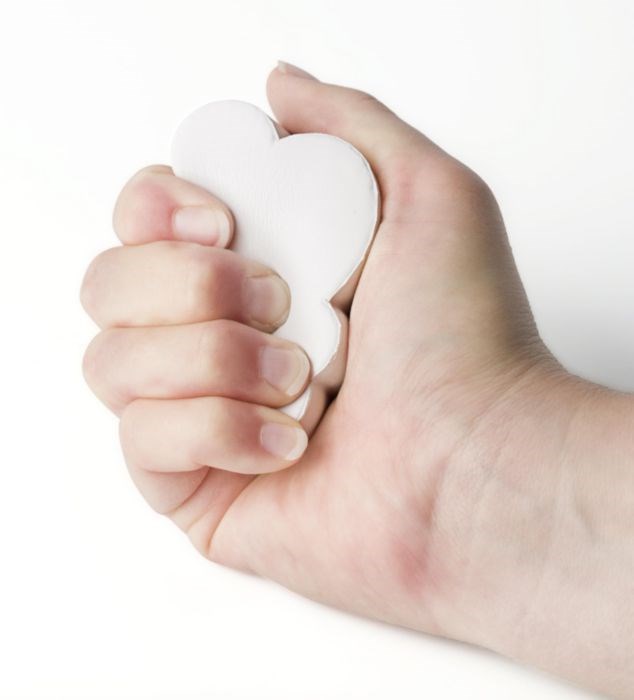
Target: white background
(102,598)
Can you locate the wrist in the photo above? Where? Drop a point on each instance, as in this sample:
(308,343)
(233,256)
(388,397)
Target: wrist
(585,629)
(548,578)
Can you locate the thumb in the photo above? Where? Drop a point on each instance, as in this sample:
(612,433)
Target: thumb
(301,104)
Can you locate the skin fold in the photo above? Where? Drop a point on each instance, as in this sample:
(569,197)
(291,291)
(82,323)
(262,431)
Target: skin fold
(461,483)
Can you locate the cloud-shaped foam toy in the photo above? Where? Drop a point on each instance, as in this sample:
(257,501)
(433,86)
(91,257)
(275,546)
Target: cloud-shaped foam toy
(306,205)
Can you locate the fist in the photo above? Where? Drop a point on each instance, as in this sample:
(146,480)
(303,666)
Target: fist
(185,355)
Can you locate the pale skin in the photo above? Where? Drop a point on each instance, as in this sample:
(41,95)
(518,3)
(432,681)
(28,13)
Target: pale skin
(462,483)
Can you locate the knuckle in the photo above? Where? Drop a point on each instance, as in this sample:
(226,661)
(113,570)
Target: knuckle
(208,350)
(406,178)
(361,95)
(143,182)
(455,177)
(214,340)
(204,281)
(366,99)
(208,430)
(128,431)
(100,365)
(438,176)
(93,284)
(96,358)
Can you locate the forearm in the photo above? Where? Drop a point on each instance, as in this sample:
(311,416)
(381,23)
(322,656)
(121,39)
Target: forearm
(558,580)
(582,623)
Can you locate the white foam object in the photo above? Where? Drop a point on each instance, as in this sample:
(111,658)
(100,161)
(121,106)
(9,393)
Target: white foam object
(306,205)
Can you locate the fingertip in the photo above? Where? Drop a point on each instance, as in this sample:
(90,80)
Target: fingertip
(291,69)
(286,441)
(266,300)
(157,205)
(205,225)
(285,367)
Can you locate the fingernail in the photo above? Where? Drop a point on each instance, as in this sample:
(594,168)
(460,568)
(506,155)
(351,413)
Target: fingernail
(201,225)
(285,369)
(266,299)
(289,68)
(285,441)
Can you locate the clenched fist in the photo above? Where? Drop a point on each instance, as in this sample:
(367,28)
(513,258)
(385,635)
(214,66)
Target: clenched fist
(461,483)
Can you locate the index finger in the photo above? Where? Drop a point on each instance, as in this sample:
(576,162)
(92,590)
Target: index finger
(156,205)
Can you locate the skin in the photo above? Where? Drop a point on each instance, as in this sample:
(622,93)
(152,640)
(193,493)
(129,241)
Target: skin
(462,483)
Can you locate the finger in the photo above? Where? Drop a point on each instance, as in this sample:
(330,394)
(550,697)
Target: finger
(215,358)
(442,212)
(393,148)
(156,205)
(184,435)
(169,282)
(195,501)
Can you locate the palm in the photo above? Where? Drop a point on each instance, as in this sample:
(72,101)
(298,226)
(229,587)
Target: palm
(366,490)
(348,494)
(369,515)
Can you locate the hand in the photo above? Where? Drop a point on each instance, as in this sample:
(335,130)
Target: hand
(450,487)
